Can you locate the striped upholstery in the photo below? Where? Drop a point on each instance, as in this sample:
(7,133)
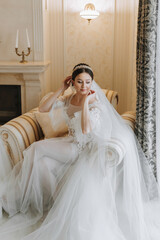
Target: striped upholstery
(112,97)
(21,132)
(130,118)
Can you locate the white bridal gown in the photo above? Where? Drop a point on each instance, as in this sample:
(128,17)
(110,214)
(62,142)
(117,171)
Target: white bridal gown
(69,188)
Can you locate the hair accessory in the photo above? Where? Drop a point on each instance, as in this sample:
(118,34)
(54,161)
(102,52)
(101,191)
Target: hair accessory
(82,66)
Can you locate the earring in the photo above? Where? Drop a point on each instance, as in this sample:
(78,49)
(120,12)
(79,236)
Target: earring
(72,87)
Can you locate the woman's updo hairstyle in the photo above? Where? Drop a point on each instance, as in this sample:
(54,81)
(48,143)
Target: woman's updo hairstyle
(81,68)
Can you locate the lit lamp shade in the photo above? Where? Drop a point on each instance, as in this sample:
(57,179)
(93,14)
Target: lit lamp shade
(89,12)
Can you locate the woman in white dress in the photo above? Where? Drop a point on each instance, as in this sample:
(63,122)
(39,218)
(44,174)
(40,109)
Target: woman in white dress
(86,193)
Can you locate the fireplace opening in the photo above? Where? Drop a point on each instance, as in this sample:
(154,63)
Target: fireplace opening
(10,102)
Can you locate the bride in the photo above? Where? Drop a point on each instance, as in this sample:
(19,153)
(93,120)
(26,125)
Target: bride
(71,188)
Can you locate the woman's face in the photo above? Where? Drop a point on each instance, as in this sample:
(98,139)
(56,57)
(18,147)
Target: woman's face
(82,83)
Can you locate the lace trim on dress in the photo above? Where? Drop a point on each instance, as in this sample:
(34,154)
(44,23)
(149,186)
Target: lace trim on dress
(74,125)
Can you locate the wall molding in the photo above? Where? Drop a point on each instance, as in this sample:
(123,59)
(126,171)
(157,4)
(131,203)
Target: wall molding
(38,41)
(57,19)
(65,35)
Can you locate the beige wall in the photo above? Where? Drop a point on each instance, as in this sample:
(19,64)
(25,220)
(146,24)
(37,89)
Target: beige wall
(14,15)
(124,65)
(58,33)
(74,41)
(90,43)
(47,43)
(108,44)
(33,15)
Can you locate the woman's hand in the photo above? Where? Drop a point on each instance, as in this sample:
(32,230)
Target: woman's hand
(91,97)
(66,82)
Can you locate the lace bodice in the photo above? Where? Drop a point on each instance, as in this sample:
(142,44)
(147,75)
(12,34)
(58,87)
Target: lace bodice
(73,120)
(72,109)
(72,116)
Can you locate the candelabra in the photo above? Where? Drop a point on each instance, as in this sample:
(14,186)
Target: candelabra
(23,54)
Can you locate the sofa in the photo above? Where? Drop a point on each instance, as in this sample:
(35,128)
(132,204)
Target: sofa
(21,132)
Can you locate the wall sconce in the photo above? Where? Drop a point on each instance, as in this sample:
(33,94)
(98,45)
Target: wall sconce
(89,12)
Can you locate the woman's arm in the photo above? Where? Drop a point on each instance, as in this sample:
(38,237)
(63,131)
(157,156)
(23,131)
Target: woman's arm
(85,118)
(46,105)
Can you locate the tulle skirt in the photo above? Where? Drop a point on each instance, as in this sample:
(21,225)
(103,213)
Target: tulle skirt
(58,193)
(27,192)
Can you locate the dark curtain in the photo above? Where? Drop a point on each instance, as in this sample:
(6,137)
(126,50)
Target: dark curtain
(145,127)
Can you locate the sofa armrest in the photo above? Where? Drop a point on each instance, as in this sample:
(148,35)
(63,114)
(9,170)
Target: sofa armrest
(115,152)
(20,133)
(112,97)
(130,118)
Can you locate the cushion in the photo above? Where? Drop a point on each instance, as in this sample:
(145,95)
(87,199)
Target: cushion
(44,121)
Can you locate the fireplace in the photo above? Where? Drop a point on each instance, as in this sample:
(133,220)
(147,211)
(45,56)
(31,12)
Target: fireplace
(10,102)
(21,87)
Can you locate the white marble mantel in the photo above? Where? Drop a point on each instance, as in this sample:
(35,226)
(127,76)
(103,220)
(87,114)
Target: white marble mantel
(29,67)
(31,77)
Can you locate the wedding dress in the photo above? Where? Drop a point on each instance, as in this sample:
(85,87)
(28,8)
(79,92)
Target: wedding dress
(77,187)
